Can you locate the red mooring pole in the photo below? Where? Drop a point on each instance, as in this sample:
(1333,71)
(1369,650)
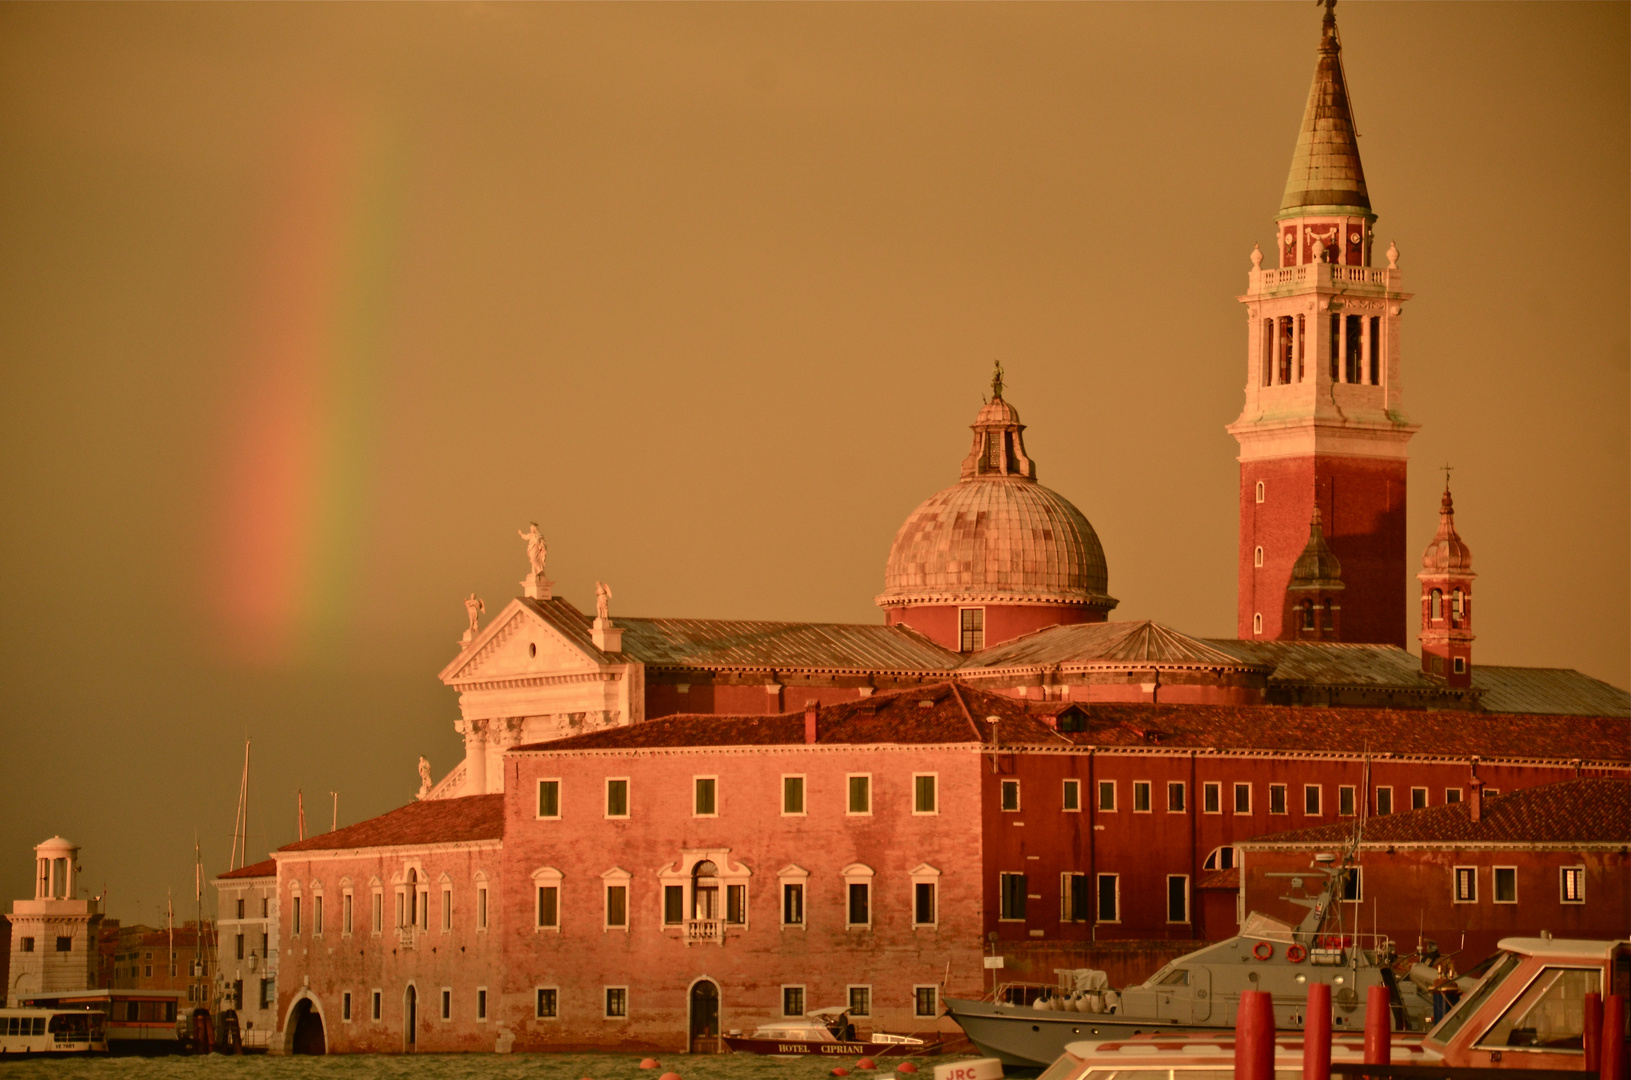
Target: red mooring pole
(1317,1033)
(1254,1036)
(1613,1059)
(1378,1027)
(1592,1035)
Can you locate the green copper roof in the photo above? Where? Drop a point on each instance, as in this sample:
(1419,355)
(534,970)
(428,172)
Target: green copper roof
(1325,169)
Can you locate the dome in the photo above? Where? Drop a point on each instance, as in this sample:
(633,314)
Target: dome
(1317,567)
(1447,553)
(996,540)
(997,535)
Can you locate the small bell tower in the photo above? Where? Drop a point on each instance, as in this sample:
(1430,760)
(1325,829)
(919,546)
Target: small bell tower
(1313,609)
(1446,600)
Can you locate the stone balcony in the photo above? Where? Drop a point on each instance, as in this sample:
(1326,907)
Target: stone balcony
(1285,279)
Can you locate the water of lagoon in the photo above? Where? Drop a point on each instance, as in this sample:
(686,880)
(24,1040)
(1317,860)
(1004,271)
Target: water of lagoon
(442,1067)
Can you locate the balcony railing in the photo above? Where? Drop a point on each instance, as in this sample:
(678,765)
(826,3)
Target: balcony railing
(705,930)
(1327,274)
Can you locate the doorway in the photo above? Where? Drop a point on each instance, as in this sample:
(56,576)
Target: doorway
(410,1013)
(307,1026)
(705,1018)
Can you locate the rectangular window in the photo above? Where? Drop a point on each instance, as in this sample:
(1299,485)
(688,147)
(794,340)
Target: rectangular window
(1177,898)
(447,910)
(317,915)
(1243,798)
(1073,902)
(481,907)
(1302,344)
(240,907)
(1010,795)
(617,1002)
(447,1003)
(1384,801)
(736,904)
(345,914)
(705,797)
(1355,351)
(1506,884)
(1311,799)
(1286,348)
(925,1002)
(1491,792)
(1572,885)
(1345,800)
(1336,345)
(1141,796)
(924,795)
(792,904)
(1466,884)
(1211,797)
(1375,350)
(374,1003)
(345,1003)
(549,798)
(617,798)
(547,1004)
(973,629)
(1353,885)
(1418,798)
(860,794)
(1109,905)
(1267,348)
(793,1001)
(295,922)
(673,905)
(1452,795)
(1277,798)
(1175,796)
(266,907)
(240,939)
(1012,889)
(379,913)
(792,795)
(481,1004)
(617,906)
(860,1001)
(923,903)
(860,903)
(1107,796)
(549,906)
(1073,796)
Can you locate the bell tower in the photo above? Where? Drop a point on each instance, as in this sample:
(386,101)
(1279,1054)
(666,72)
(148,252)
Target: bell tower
(1446,600)
(1323,430)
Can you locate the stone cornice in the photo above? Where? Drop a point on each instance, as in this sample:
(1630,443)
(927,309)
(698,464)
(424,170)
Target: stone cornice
(331,854)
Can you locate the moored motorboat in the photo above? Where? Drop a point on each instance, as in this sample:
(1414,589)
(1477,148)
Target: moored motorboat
(53,1031)
(829,1033)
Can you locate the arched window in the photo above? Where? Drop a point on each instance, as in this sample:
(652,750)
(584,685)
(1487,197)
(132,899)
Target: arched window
(1222,858)
(705,890)
(1437,605)
(1257,623)
(1260,491)
(413,897)
(1308,614)
(1257,556)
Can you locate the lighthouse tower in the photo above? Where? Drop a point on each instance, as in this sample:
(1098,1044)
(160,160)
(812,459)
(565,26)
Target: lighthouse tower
(1323,424)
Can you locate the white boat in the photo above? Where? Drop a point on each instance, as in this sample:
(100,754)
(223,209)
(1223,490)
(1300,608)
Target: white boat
(52,1031)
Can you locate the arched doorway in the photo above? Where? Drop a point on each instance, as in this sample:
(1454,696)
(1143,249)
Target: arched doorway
(705,1017)
(410,1017)
(306,1024)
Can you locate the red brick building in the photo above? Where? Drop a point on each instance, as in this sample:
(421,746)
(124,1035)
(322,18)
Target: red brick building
(1553,858)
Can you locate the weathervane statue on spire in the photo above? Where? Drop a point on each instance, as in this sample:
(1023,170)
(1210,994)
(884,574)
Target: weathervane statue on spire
(996,382)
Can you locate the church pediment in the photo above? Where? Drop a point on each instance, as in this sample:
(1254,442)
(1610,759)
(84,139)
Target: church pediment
(521,643)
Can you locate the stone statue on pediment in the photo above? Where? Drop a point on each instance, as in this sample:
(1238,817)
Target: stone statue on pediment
(474,608)
(603,602)
(424,778)
(537,550)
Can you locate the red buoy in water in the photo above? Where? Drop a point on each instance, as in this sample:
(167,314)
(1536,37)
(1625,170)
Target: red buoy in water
(669,1076)
(906,1067)
(650,1063)
(839,1070)
(866,1063)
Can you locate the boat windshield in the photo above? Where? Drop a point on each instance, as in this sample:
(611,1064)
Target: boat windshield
(1065,1066)
(1468,1005)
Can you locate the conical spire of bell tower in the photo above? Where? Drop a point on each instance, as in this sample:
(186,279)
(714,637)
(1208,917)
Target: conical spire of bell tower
(1325,168)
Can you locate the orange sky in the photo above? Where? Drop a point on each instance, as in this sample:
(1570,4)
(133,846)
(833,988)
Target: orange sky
(308,308)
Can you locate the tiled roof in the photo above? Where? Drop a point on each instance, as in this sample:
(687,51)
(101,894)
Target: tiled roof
(1382,733)
(438,821)
(1219,879)
(741,643)
(264,868)
(1114,644)
(940,714)
(1585,811)
(1331,663)
(1548,690)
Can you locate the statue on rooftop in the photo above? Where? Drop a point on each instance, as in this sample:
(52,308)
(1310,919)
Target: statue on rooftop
(424,778)
(603,602)
(474,608)
(537,550)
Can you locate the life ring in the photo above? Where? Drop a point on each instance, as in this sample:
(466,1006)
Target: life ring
(1263,950)
(1296,954)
